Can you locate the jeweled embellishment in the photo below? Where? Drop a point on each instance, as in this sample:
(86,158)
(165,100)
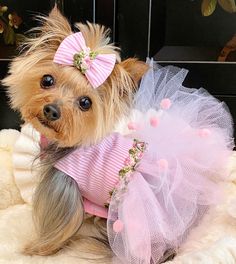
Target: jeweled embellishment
(83,59)
(135,155)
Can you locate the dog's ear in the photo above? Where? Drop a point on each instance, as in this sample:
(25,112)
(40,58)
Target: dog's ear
(135,68)
(97,38)
(53,30)
(56,22)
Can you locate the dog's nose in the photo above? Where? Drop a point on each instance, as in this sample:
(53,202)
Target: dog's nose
(51,112)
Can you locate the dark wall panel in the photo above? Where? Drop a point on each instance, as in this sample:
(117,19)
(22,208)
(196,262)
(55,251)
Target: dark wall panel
(186,26)
(132,27)
(104,12)
(79,11)
(158,24)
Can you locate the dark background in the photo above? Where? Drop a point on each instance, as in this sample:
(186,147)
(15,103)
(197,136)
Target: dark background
(175,32)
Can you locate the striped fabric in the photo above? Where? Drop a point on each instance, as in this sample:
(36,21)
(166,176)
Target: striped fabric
(97,69)
(96,170)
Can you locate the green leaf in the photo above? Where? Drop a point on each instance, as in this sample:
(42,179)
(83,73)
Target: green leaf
(9,36)
(208,7)
(228,5)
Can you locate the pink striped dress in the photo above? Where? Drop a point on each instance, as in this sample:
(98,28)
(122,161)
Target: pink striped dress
(96,170)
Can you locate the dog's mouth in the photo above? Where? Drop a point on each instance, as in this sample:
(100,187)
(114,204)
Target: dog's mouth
(45,123)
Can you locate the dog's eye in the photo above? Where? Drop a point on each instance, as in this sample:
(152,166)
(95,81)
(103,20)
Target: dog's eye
(47,81)
(84,103)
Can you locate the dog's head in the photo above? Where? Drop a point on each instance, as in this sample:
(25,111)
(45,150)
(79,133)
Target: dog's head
(58,100)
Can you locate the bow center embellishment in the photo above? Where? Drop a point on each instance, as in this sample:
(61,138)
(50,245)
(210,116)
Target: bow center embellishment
(83,59)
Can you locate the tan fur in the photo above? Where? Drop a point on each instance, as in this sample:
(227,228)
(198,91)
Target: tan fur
(57,219)
(58,222)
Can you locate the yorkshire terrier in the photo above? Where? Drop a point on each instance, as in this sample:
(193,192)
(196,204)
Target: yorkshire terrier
(152,184)
(63,106)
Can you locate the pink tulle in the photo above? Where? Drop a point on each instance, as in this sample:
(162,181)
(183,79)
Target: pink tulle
(163,181)
(177,178)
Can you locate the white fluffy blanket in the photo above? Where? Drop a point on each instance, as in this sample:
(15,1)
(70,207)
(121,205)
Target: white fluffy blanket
(213,241)
(17,183)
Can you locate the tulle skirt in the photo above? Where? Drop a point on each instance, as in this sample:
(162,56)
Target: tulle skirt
(189,138)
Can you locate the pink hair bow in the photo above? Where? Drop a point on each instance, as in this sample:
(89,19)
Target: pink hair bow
(96,67)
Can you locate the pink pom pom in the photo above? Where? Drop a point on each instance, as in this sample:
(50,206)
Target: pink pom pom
(118,226)
(204,132)
(133,126)
(162,164)
(154,121)
(165,103)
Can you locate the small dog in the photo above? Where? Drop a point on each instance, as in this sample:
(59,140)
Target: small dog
(154,183)
(61,105)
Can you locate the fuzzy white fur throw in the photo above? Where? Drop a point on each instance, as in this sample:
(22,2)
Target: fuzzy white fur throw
(213,241)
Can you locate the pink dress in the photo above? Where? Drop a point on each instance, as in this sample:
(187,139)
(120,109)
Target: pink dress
(154,183)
